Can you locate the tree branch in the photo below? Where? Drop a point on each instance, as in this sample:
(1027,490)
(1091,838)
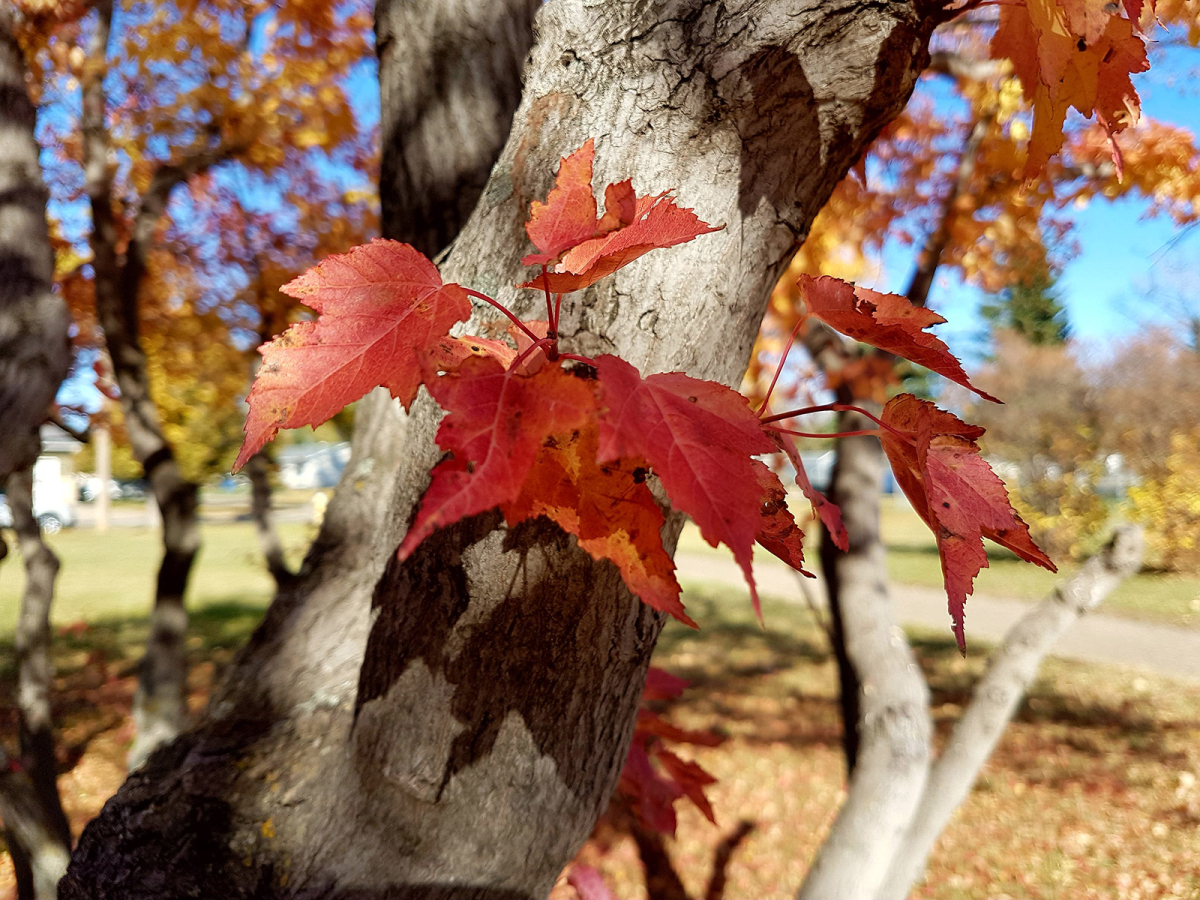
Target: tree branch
(995,698)
(965,68)
(930,256)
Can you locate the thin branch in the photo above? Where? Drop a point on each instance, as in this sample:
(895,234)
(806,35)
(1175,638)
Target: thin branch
(965,68)
(930,256)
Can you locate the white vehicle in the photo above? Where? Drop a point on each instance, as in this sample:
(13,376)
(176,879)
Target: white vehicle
(51,503)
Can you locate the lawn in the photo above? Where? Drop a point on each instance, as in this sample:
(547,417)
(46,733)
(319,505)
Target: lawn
(912,559)
(1092,793)
(111,575)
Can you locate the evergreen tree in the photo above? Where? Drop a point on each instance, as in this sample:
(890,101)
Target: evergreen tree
(1031,308)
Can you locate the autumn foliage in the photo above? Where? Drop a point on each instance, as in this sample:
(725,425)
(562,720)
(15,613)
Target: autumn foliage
(535,431)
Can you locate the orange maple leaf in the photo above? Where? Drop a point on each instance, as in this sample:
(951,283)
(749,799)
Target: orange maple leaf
(609,509)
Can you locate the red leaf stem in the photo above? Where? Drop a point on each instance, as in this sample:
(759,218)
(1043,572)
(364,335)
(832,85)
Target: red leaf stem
(836,407)
(496,303)
(782,359)
(817,434)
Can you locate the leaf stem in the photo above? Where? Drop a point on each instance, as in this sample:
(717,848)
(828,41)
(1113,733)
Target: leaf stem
(577,358)
(486,299)
(837,407)
(782,359)
(550,316)
(543,342)
(832,434)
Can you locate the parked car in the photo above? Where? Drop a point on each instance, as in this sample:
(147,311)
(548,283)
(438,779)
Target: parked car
(53,517)
(89,488)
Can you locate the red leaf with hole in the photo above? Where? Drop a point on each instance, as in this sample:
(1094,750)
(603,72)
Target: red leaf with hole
(829,513)
(777,529)
(449,353)
(887,321)
(497,421)
(698,437)
(585,248)
(609,509)
(938,466)
(382,309)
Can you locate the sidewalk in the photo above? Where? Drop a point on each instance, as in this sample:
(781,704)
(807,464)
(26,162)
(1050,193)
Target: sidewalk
(1097,637)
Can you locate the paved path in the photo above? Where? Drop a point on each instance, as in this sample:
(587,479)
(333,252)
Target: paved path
(1097,637)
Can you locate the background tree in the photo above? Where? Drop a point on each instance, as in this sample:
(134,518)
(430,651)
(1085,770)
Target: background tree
(1030,308)
(34,359)
(171,93)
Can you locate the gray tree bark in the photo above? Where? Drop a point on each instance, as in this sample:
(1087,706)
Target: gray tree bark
(35,350)
(258,470)
(460,738)
(1011,670)
(35,355)
(35,670)
(893,728)
(160,705)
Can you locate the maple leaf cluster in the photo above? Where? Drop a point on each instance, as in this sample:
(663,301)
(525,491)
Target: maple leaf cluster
(534,431)
(1074,53)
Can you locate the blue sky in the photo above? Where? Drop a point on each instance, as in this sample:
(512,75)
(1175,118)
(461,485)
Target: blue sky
(1120,248)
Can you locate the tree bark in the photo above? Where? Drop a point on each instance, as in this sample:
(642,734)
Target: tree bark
(36,828)
(38,854)
(35,350)
(258,470)
(893,725)
(35,354)
(884,697)
(465,747)
(1011,670)
(160,704)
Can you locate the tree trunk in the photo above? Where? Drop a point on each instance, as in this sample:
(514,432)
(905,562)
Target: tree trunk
(995,698)
(461,739)
(160,705)
(35,354)
(258,470)
(893,725)
(884,697)
(38,854)
(35,671)
(35,350)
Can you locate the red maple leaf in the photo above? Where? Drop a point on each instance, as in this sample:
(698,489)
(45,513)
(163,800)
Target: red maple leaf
(497,421)
(937,465)
(382,309)
(567,231)
(651,793)
(829,513)
(698,437)
(887,321)
(777,530)
(610,511)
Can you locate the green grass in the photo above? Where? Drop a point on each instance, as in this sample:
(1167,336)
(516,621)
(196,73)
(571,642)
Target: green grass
(111,576)
(913,559)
